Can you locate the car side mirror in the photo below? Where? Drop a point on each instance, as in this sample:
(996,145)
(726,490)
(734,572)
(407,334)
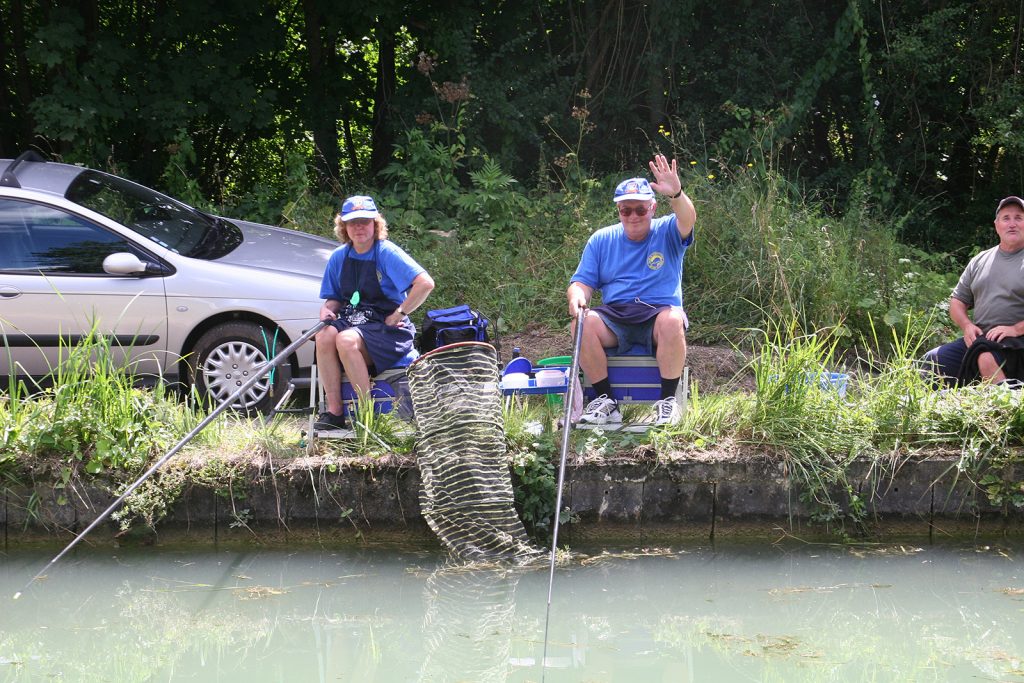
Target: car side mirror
(124,263)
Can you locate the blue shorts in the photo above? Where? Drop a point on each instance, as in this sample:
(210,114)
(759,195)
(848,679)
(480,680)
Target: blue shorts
(629,336)
(386,345)
(946,360)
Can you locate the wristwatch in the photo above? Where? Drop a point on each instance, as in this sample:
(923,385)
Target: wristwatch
(399,309)
(677,195)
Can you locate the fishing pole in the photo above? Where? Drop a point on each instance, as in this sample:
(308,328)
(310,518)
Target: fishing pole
(271,364)
(570,395)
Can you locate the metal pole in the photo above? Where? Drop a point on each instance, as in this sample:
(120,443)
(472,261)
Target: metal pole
(273,363)
(570,395)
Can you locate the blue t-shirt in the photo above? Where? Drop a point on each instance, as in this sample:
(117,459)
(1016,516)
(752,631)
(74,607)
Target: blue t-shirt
(651,269)
(395,270)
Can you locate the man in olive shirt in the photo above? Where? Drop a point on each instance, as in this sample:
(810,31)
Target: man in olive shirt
(992,284)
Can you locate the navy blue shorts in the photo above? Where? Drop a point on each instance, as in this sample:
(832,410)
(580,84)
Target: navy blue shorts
(946,360)
(386,345)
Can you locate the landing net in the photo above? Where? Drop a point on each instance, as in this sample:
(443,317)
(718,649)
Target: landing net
(466,495)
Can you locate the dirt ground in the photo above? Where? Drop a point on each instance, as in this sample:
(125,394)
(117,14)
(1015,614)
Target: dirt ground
(713,368)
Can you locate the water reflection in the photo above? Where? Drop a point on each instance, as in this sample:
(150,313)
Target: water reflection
(468,624)
(700,614)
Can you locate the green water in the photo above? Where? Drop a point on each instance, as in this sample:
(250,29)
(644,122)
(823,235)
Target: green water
(722,613)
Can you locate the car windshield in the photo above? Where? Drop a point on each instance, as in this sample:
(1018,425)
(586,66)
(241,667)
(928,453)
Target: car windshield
(157,217)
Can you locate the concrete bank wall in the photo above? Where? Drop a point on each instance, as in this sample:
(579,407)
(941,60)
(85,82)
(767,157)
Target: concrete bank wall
(637,502)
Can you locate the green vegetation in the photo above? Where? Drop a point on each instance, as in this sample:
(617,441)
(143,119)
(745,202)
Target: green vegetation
(824,158)
(95,427)
(911,107)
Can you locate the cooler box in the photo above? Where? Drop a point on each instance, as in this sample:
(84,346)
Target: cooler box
(389,390)
(635,379)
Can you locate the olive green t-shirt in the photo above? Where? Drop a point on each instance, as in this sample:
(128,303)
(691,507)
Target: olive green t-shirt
(993,285)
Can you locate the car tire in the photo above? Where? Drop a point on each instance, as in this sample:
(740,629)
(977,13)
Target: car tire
(229,355)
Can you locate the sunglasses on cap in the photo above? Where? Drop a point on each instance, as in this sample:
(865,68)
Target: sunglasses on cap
(627,211)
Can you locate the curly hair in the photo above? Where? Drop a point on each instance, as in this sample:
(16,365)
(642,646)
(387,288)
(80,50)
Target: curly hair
(380,229)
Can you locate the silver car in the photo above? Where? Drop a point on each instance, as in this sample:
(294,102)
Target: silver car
(181,294)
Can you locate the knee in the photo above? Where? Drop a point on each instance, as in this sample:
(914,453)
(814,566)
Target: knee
(987,365)
(347,344)
(593,328)
(671,324)
(325,339)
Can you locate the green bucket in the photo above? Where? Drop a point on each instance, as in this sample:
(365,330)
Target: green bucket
(555,361)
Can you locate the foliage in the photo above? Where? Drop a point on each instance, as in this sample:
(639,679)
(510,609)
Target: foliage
(92,413)
(909,108)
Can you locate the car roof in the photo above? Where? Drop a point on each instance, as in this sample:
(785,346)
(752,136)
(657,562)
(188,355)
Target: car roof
(43,176)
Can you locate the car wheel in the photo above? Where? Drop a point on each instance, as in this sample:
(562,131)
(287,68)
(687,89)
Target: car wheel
(229,355)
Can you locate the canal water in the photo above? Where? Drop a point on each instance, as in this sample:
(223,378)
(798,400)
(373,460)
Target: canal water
(728,612)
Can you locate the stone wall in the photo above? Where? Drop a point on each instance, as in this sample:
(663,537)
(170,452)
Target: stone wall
(635,502)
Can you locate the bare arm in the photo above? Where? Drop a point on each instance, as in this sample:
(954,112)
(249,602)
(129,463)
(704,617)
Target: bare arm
(958,314)
(578,295)
(1000,332)
(421,288)
(667,182)
(329,311)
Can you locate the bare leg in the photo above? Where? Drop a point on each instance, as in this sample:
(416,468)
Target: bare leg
(989,368)
(329,367)
(596,338)
(356,361)
(670,342)
(336,351)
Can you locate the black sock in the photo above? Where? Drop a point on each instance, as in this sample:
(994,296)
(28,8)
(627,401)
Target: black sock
(603,387)
(668,387)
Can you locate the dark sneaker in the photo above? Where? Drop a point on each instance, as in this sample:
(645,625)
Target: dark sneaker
(328,422)
(601,411)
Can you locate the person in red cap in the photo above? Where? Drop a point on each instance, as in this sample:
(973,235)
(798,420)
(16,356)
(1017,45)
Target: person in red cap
(370,287)
(988,305)
(637,264)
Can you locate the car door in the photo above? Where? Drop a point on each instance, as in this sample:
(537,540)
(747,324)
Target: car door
(53,291)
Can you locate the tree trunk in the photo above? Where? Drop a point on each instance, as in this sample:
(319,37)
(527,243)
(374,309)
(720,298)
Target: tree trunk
(321,106)
(382,137)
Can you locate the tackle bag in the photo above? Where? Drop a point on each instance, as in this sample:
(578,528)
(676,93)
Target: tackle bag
(445,326)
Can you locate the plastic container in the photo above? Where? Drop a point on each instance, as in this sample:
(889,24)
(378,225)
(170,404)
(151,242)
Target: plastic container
(551,377)
(515,380)
(561,361)
(834,380)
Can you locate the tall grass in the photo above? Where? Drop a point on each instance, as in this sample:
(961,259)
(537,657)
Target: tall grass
(763,251)
(92,412)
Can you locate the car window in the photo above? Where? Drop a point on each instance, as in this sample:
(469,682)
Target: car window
(34,237)
(155,216)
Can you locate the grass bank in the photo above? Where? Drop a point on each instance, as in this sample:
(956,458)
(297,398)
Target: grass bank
(846,289)
(95,427)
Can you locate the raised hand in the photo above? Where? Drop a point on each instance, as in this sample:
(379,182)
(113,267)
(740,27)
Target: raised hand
(666,176)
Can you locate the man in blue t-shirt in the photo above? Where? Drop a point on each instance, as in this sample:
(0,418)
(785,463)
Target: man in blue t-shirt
(637,265)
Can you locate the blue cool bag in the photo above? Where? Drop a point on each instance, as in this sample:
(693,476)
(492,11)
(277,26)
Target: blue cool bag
(451,325)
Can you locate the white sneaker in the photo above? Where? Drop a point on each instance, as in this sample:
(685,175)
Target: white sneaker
(666,411)
(601,411)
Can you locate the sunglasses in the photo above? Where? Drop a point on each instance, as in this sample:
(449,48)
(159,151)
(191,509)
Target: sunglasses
(627,211)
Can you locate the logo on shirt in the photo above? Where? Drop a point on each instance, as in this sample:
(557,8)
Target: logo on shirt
(655,261)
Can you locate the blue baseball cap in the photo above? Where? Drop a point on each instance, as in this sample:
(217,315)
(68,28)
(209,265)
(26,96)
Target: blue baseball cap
(359,206)
(634,188)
